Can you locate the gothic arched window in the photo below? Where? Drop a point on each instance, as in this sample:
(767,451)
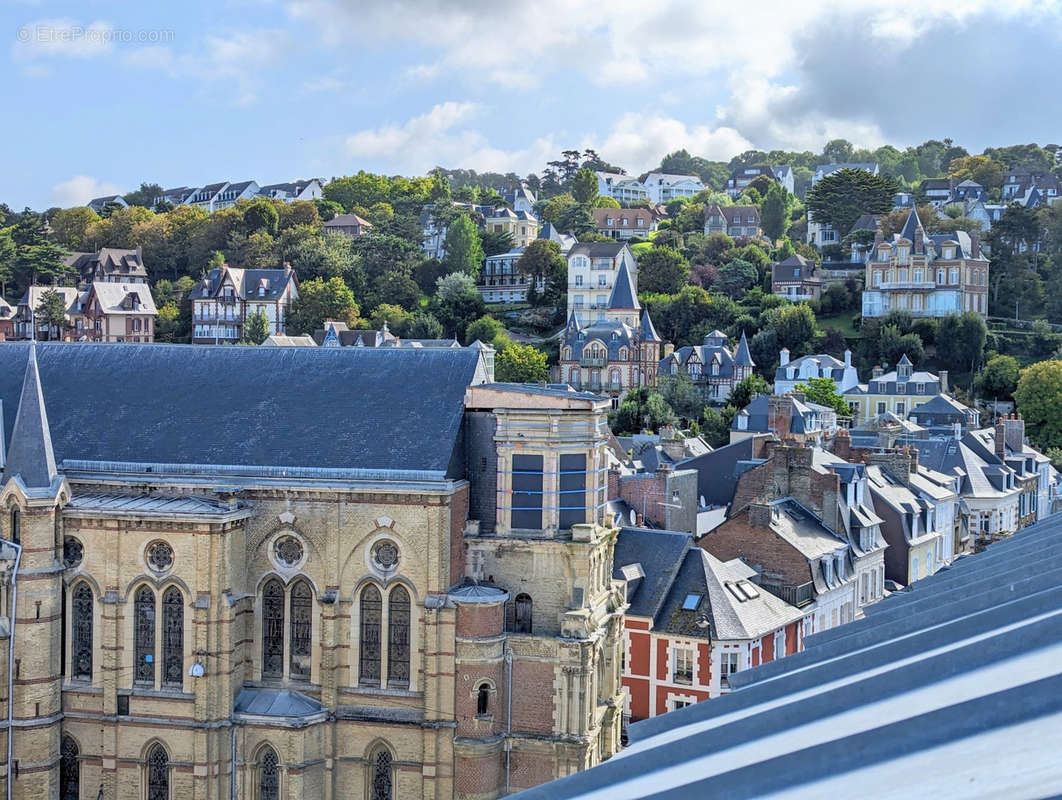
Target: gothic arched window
(268,776)
(144,636)
(371,623)
(158,774)
(81,630)
(173,637)
(301,630)
(382,787)
(16,526)
(69,770)
(273,630)
(522,620)
(398,636)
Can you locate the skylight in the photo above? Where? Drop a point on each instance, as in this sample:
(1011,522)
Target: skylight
(691,602)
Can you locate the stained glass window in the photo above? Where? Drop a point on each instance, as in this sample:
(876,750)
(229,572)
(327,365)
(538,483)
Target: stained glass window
(382,782)
(273,630)
(269,776)
(69,770)
(158,774)
(81,630)
(371,612)
(144,636)
(398,636)
(301,630)
(173,637)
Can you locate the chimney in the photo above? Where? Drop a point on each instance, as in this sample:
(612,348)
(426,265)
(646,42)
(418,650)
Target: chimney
(784,356)
(1015,432)
(779,415)
(919,241)
(1001,437)
(876,372)
(669,348)
(760,514)
(943,381)
(842,444)
(975,243)
(847,357)
(897,462)
(879,237)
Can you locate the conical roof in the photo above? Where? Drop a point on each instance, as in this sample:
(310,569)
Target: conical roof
(648,332)
(623,295)
(743,358)
(30,455)
(913,224)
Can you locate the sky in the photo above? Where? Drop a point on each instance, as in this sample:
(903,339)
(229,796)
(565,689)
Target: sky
(100,96)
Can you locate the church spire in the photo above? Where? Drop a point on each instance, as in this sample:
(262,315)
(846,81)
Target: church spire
(29,456)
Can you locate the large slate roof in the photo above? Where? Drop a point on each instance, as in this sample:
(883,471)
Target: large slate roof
(719,470)
(303,407)
(953,688)
(660,554)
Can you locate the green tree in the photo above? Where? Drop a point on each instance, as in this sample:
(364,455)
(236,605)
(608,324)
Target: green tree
(662,269)
(642,408)
(423,325)
(795,328)
(51,312)
(584,187)
(773,217)
(395,317)
(542,261)
(747,390)
(70,227)
(144,196)
(1039,400)
(715,425)
(737,277)
(495,242)
(520,363)
(683,397)
(321,299)
(999,378)
(260,216)
(35,258)
(576,219)
(843,196)
(961,340)
(464,252)
(892,345)
(457,303)
(487,330)
(824,392)
(256,327)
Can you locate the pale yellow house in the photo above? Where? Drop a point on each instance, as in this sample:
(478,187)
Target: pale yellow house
(895,392)
(521,224)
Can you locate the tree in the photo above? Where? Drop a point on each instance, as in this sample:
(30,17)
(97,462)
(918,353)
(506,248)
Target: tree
(795,328)
(144,196)
(495,242)
(51,312)
(35,258)
(824,392)
(424,326)
(261,216)
(487,330)
(747,390)
(319,300)
(838,151)
(542,261)
(737,277)
(464,253)
(70,226)
(715,425)
(584,187)
(999,378)
(456,303)
(1039,400)
(980,169)
(256,327)
(683,397)
(773,212)
(662,269)
(892,345)
(843,196)
(395,317)
(642,408)
(604,201)
(961,339)
(520,363)
(576,219)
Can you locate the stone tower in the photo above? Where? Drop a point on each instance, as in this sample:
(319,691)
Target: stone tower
(33,494)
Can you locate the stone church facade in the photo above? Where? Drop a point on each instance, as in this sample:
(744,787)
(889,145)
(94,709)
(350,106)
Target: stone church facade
(286,573)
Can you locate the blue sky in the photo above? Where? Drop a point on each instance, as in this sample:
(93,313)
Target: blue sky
(101,96)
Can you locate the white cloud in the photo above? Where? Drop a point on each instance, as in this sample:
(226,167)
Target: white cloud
(638,141)
(80,189)
(325,83)
(62,38)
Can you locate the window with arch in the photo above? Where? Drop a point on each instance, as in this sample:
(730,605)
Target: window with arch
(301,630)
(398,636)
(371,624)
(158,774)
(269,775)
(173,638)
(69,770)
(16,526)
(273,630)
(522,613)
(81,633)
(483,699)
(144,636)
(381,785)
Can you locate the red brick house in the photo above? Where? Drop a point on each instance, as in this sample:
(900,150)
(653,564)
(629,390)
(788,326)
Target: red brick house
(692,621)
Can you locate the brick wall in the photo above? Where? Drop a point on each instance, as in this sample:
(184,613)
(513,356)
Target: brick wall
(458,515)
(760,548)
(480,619)
(534,698)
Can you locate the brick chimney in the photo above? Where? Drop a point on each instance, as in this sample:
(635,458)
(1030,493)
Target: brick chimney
(1015,432)
(897,462)
(1001,437)
(919,241)
(760,514)
(876,372)
(779,415)
(842,444)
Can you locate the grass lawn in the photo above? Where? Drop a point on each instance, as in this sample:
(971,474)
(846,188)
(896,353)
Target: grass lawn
(843,323)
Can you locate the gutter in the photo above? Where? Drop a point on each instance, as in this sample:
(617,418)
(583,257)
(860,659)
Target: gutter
(11,665)
(509,720)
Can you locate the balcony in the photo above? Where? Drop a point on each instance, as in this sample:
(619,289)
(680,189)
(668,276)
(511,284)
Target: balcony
(916,285)
(595,387)
(211,318)
(590,361)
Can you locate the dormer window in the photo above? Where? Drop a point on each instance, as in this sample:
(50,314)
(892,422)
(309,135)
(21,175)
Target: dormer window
(949,253)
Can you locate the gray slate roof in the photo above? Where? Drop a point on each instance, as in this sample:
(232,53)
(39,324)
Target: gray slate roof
(276,703)
(303,407)
(30,455)
(623,295)
(719,470)
(661,554)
